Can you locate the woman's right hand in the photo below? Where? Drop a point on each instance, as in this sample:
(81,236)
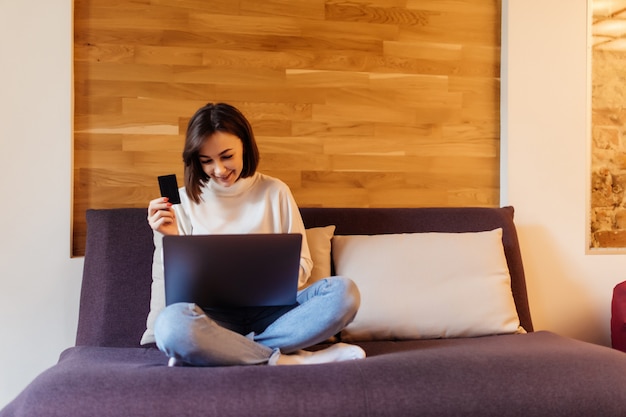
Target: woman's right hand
(161,216)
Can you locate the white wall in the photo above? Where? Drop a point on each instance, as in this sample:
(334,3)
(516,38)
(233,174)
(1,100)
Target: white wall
(39,283)
(544,176)
(545,166)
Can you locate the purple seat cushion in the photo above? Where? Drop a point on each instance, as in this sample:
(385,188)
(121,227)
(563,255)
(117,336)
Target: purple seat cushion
(537,374)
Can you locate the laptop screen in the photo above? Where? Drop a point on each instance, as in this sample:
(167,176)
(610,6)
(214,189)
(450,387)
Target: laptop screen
(245,270)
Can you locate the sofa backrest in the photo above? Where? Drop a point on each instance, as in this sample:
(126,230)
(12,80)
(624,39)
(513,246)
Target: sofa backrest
(117,277)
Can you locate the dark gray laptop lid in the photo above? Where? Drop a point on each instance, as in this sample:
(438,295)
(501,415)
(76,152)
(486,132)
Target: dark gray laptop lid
(246,270)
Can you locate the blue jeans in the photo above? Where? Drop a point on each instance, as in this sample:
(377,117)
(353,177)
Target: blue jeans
(183,331)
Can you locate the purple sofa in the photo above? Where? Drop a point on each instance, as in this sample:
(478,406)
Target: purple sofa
(108,373)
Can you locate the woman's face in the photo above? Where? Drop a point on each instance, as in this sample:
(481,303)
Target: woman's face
(221,157)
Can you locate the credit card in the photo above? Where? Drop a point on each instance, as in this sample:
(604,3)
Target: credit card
(169,188)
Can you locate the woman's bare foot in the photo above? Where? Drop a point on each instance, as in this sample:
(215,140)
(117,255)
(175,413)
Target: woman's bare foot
(338,352)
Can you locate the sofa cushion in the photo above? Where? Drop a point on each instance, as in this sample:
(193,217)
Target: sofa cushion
(535,374)
(427,285)
(318,238)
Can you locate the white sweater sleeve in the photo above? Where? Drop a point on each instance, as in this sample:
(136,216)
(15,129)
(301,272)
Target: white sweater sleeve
(182,211)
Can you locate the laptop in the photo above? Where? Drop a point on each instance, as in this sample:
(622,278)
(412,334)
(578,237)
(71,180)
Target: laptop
(245,270)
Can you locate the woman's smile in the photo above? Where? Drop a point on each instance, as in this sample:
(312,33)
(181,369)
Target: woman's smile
(226,179)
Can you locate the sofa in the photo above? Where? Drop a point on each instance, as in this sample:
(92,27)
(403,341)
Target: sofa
(517,372)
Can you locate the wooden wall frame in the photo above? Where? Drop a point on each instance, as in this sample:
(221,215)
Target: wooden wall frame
(376,103)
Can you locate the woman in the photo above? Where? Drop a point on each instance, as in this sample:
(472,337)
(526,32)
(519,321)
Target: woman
(225,194)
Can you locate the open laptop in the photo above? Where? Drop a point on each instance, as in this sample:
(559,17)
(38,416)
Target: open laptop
(246,270)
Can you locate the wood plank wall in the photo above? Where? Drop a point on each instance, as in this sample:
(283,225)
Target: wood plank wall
(359,103)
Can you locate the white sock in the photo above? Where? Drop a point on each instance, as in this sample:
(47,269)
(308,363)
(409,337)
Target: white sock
(338,352)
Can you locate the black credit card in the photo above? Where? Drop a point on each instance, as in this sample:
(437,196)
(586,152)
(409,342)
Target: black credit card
(169,188)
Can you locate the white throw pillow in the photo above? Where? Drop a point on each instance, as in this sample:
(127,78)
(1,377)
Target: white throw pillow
(157,297)
(427,285)
(318,238)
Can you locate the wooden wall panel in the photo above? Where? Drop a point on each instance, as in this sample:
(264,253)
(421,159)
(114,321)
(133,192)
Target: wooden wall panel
(360,103)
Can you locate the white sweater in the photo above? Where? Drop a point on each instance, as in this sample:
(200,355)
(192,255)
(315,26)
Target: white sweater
(257,204)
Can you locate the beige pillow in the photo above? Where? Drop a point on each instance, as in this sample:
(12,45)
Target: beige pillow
(427,285)
(318,238)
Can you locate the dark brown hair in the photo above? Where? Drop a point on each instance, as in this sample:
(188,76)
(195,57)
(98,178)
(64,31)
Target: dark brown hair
(211,118)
